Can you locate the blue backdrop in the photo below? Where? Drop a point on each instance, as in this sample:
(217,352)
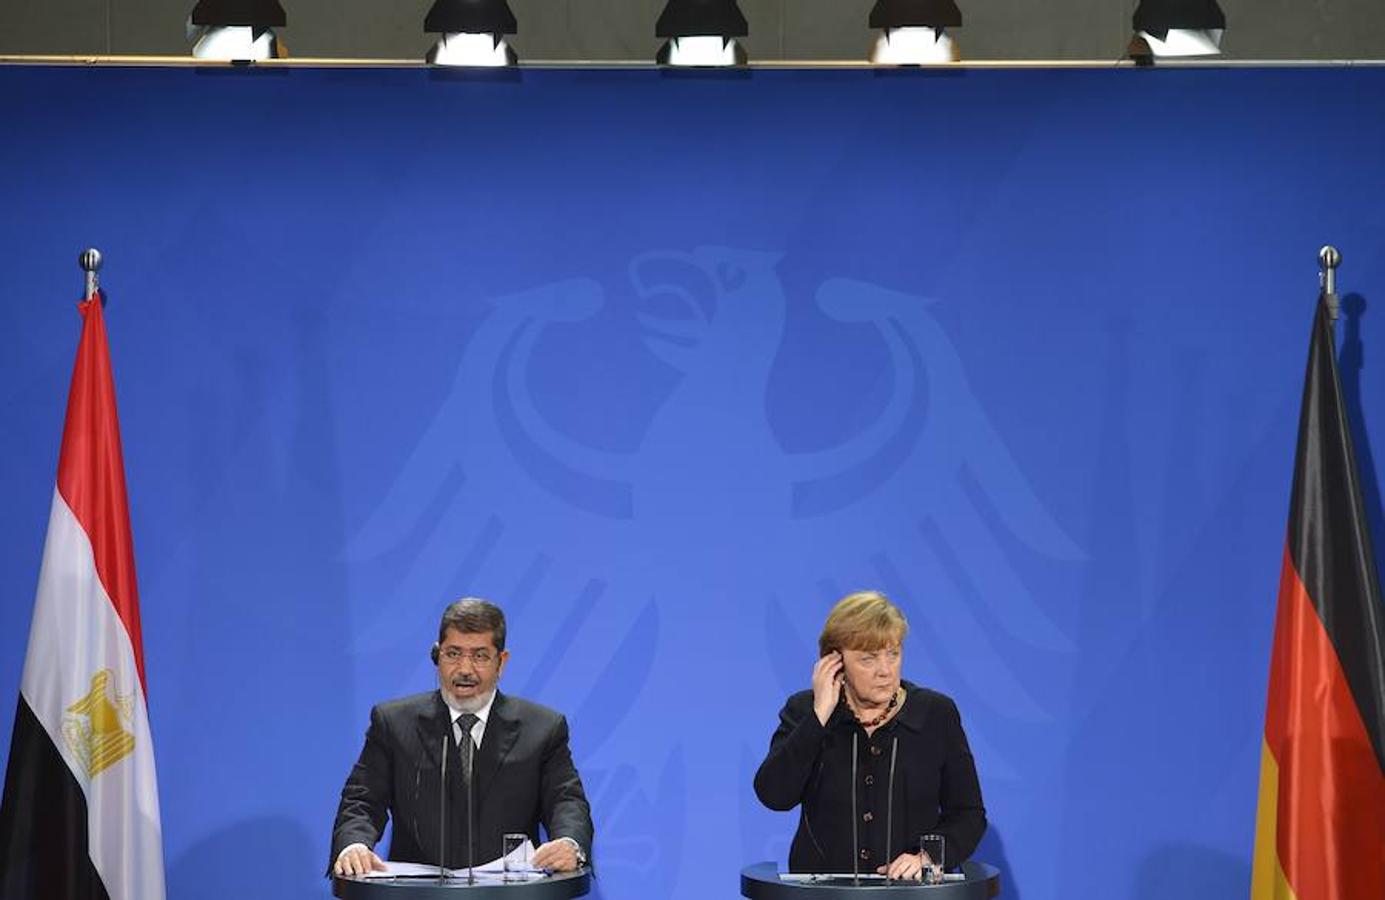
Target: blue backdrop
(666,363)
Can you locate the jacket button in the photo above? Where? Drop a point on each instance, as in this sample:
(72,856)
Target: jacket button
(865,854)
(870,779)
(874,750)
(867,817)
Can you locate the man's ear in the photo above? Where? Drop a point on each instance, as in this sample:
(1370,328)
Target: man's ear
(500,661)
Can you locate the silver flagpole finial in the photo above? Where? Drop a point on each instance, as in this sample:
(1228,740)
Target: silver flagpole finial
(1329,259)
(90,261)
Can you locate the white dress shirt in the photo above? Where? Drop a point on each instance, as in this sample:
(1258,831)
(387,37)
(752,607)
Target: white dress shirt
(478,729)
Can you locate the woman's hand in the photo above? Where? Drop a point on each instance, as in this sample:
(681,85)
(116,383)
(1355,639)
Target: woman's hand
(827,685)
(906,866)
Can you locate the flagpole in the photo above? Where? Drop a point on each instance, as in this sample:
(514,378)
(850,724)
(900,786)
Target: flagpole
(1328,261)
(90,261)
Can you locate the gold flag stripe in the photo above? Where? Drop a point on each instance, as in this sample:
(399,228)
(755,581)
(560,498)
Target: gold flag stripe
(113,737)
(1267,880)
(113,748)
(111,753)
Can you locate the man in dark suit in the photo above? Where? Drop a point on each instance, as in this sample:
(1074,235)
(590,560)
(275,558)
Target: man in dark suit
(517,752)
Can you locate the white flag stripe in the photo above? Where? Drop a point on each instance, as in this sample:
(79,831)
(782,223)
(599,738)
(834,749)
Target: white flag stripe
(77,633)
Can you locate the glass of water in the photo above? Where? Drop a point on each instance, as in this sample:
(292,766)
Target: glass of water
(934,849)
(515,850)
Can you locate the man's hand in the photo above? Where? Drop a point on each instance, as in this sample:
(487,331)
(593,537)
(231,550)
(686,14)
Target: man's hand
(905,866)
(556,856)
(357,859)
(827,685)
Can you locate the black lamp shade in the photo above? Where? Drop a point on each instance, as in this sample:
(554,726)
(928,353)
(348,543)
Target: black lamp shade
(687,18)
(470,17)
(1159,16)
(915,14)
(250,13)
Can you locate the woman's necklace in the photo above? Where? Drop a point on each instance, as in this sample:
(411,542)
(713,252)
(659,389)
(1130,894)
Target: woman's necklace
(894,701)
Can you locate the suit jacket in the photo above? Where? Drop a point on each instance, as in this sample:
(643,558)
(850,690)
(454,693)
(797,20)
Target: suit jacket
(935,785)
(522,772)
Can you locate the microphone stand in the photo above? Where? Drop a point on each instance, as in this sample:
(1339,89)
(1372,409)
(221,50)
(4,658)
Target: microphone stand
(470,809)
(855,840)
(442,817)
(889,805)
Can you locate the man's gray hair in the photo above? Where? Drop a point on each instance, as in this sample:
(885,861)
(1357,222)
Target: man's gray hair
(472,615)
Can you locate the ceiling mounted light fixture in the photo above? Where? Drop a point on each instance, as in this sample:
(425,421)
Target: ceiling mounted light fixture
(473,33)
(1173,28)
(701,33)
(236,30)
(913,32)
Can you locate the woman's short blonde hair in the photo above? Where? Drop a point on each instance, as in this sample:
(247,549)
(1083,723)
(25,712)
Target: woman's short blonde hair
(865,620)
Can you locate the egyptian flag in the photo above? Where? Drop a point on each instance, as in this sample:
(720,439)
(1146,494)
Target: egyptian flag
(80,816)
(1320,829)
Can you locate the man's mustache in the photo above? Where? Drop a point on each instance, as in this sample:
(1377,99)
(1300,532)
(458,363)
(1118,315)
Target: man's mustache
(465,681)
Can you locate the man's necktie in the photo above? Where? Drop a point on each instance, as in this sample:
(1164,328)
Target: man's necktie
(465,745)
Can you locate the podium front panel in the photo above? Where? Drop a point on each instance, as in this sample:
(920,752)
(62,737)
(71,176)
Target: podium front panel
(557,887)
(761,882)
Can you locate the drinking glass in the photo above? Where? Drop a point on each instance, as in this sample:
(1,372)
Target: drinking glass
(934,847)
(516,856)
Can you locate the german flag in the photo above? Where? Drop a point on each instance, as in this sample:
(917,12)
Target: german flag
(1320,827)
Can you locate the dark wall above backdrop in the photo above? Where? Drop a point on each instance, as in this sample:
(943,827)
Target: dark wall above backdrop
(624,29)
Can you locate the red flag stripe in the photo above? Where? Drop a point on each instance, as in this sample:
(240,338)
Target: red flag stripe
(91,473)
(1330,833)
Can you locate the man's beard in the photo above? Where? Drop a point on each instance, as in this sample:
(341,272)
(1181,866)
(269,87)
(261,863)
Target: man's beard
(462,705)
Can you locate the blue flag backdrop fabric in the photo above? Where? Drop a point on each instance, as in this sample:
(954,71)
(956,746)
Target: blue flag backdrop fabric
(665,363)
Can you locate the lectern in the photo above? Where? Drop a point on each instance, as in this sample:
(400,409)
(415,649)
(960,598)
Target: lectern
(761,881)
(554,887)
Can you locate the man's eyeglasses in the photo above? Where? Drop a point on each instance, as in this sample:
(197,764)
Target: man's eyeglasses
(455,655)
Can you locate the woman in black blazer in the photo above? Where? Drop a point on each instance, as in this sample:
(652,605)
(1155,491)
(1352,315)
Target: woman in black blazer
(914,771)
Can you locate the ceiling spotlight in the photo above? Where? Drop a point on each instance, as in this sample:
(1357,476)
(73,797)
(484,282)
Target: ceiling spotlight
(236,30)
(913,32)
(701,33)
(473,33)
(1168,28)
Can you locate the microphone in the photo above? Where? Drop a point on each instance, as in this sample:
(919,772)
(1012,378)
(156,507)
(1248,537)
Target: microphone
(889,804)
(470,808)
(442,816)
(855,840)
